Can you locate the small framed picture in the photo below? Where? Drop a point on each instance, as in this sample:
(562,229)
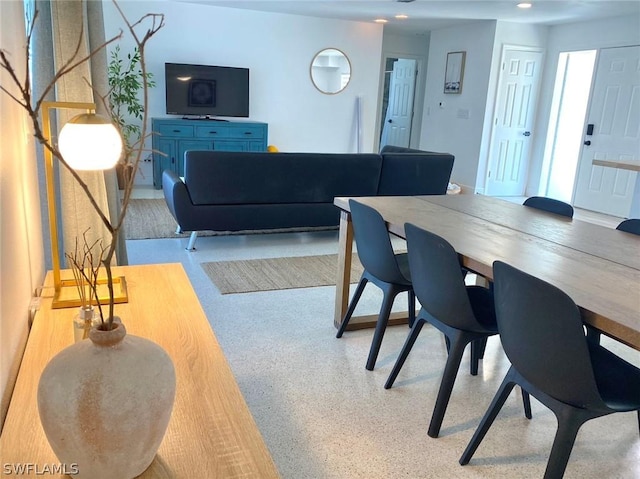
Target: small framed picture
(454,72)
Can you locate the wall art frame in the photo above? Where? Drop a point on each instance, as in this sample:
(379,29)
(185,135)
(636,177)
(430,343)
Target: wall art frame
(454,72)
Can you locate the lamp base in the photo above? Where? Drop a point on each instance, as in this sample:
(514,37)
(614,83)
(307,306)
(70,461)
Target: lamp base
(67,295)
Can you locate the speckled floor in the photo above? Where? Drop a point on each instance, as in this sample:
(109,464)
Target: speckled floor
(323,415)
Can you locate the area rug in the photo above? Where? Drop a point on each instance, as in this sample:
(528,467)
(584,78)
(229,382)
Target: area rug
(244,276)
(148,219)
(151,219)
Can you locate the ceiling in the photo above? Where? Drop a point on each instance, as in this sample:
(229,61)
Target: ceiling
(427,15)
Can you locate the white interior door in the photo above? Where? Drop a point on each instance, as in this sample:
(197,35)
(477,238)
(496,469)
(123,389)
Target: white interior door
(514,117)
(397,122)
(614,112)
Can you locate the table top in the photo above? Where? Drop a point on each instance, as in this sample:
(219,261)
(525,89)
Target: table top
(607,292)
(579,235)
(211,432)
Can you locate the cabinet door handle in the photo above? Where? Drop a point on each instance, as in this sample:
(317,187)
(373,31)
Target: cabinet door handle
(248,133)
(213,132)
(173,160)
(176,131)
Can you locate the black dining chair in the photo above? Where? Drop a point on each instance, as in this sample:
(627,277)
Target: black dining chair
(541,333)
(549,204)
(383,267)
(630,226)
(464,314)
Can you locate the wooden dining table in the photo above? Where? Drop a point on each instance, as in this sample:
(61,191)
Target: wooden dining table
(598,267)
(607,243)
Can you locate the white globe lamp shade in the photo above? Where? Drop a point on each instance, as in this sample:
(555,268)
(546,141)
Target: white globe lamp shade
(90,142)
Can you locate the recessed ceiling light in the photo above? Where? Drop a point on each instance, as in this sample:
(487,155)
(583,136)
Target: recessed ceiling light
(380,20)
(524,5)
(402,16)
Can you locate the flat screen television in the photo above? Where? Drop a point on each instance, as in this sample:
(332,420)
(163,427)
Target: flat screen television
(206,91)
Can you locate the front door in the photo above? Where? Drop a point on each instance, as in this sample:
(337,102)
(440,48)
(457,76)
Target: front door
(513,121)
(396,129)
(614,112)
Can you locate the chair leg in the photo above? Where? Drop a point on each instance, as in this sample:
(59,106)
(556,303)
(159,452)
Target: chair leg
(446,386)
(408,344)
(526,403)
(593,335)
(482,343)
(352,306)
(569,422)
(412,307)
(477,353)
(494,408)
(381,327)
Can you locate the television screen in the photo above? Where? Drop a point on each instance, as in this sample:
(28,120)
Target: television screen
(204,90)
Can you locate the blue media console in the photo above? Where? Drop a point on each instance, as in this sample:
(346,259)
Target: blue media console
(175,136)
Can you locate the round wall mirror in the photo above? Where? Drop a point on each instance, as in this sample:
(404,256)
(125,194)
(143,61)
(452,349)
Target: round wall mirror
(330,71)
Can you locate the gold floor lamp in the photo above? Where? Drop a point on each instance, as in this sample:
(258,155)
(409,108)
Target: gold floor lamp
(84,136)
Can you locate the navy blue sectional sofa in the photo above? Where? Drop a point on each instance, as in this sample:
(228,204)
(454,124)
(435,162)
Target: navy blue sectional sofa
(239,191)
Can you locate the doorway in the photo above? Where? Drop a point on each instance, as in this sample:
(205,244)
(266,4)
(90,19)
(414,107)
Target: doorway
(397,101)
(612,135)
(568,112)
(514,116)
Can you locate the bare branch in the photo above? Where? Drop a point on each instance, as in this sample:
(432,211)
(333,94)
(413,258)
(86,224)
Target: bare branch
(12,97)
(5,64)
(70,67)
(24,99)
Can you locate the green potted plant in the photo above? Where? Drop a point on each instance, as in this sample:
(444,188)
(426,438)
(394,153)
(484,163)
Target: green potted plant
(126,84)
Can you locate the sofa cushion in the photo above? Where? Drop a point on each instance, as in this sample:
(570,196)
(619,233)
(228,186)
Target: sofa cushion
(227,178)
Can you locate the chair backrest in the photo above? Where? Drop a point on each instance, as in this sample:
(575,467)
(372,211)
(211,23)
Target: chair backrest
(374,245)
(542,335)
(630,226)
(549,204)
(438,280)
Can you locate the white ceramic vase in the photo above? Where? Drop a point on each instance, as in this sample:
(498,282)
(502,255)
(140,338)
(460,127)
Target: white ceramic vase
(105,404)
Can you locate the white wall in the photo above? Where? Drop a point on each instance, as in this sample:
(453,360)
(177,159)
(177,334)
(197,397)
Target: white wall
(603,33)
(442,130)
(278,50)
(21,250)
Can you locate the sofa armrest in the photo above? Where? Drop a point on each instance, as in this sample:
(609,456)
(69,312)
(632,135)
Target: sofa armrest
(178,200)
(410,174)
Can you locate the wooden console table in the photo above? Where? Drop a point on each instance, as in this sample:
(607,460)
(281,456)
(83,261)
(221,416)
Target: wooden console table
(211,432)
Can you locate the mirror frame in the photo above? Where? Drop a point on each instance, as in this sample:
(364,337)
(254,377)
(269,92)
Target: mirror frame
(346,57)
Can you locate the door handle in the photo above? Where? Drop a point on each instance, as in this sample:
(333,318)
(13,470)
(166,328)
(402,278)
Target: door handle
(389,120)
(588,142)
(526,133)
